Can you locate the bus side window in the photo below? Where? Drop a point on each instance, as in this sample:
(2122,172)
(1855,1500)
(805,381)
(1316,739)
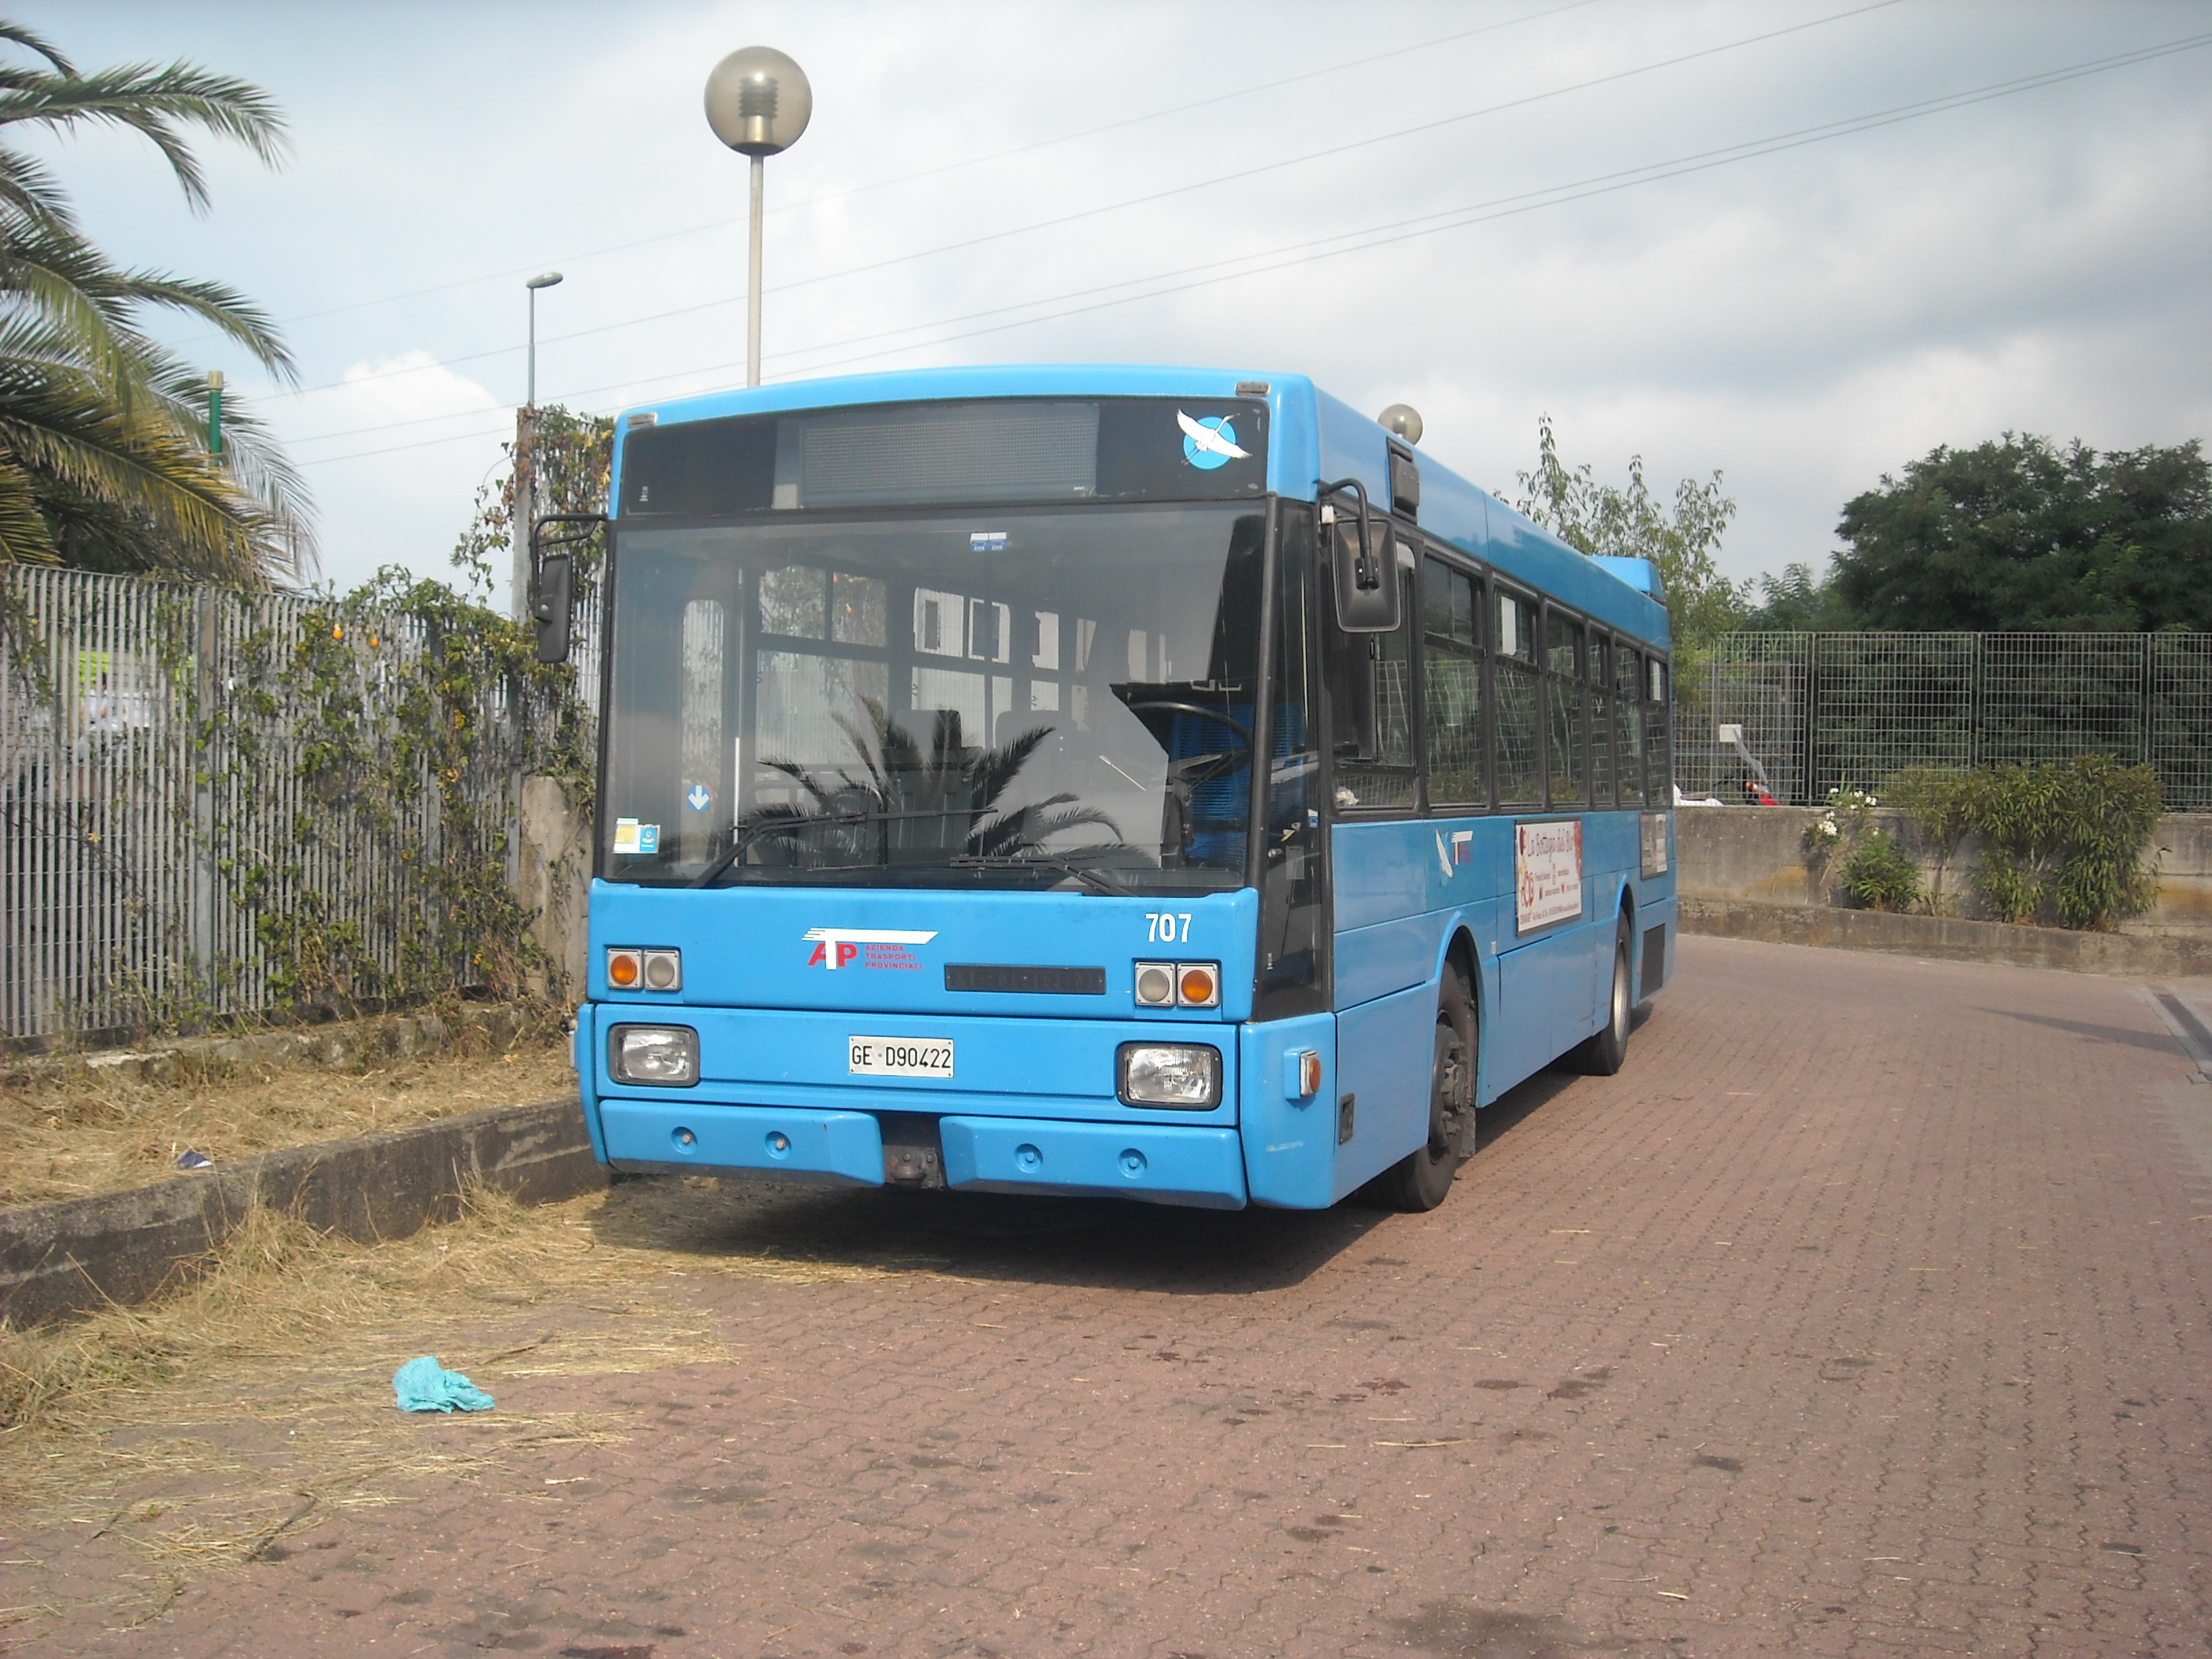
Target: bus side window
(1601,725)
(1563,677)
(1452,690)
(1513,745)
(1352,734)
(1628,724)
(1370,696)
(1658,732)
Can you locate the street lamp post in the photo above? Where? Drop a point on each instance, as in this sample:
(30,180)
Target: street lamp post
(758,102)
(536,282)
(524,511)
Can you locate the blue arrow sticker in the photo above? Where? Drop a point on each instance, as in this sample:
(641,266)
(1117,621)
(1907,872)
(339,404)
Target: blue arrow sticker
(699,798)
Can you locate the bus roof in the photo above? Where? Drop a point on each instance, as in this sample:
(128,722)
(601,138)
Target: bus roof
(1316,438)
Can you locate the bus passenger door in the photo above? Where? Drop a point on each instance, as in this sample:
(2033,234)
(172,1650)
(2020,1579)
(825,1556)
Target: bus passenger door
(1386,936)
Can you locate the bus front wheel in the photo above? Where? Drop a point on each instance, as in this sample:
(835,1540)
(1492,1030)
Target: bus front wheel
(1423,1179)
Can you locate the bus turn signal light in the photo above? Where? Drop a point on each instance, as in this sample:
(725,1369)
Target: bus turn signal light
(629,969)
(1197,984)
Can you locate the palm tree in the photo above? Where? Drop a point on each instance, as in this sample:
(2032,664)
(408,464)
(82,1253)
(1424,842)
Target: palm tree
(906,802)
(103,458)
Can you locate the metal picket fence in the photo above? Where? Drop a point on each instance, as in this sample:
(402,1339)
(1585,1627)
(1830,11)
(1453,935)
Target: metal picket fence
(1821,710)
(155,813)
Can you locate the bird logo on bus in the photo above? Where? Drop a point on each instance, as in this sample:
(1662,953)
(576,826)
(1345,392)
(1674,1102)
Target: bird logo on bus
(1210,442)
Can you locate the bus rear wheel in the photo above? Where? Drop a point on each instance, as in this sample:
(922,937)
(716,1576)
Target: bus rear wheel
(1423,1179)
(1603,1054)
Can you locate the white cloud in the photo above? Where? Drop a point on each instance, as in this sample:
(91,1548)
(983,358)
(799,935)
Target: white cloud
(394,454)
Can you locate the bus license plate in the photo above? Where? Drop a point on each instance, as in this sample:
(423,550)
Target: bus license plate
(882,1056)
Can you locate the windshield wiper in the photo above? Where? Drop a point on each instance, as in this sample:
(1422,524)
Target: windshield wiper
(735,850)
(1089,877)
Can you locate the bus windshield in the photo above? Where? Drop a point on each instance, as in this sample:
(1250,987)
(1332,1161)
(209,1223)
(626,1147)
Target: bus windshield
(1001,698)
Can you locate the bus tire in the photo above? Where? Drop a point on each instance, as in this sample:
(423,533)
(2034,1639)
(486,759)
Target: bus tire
(1603,1054)
(1423,1179)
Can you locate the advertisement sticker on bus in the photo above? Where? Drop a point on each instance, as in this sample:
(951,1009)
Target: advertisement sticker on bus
(1547,873)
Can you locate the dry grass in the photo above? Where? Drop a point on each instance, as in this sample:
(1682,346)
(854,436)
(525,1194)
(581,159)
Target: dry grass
(84,1133)
(256,1402)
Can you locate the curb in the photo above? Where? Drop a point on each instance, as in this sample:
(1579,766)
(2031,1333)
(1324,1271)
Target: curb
(2130,956)
(84,1253)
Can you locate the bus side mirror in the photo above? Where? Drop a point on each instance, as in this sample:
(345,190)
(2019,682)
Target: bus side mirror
(549,605)
(1361,561)
(553,578)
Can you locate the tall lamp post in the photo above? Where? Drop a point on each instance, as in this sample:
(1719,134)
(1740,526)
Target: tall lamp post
(758,102)
(526,481)
(548,280)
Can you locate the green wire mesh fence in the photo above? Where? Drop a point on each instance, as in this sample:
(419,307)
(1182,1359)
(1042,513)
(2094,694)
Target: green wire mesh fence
(1821,710)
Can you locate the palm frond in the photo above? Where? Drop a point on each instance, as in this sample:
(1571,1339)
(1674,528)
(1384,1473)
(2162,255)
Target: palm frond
(24,538)
(156,102)
(942,798)
(56,280)
(29,196)
(224,309)
(16,35)
(123,483)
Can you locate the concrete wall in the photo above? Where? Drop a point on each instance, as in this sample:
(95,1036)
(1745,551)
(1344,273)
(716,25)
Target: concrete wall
(1757,853)
(555,880)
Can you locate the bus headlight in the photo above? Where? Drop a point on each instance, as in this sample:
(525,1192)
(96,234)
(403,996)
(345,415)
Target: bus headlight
(1186,1076)
(658,1056)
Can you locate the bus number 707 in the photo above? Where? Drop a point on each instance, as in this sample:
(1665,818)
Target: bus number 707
(1160,927)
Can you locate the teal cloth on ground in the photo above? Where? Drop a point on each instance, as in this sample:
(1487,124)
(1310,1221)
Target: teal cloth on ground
(424,1385)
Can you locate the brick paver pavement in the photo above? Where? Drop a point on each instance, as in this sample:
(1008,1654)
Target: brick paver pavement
(1864,1313)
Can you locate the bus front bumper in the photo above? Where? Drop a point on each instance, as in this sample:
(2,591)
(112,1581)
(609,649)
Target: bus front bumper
(1163,1163)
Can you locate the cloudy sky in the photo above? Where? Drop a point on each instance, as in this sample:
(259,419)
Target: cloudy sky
(1799,241)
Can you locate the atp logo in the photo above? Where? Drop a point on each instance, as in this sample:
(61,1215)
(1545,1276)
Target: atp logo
(1211,442)
(1462,843)
(869,947)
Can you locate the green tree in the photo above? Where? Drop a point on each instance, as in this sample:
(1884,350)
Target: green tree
(2018,534)
(1796,602)
(1604,519)
(104,458)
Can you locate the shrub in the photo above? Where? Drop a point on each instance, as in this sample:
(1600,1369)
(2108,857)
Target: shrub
(1942,802)
(2111,814)
(1878,875)
(2061,838)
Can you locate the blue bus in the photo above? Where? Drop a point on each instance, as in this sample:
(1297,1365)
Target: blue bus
(1151,783)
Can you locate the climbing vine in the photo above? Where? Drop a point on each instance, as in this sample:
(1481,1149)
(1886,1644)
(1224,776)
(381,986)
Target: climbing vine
(402,716)
(243,802)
